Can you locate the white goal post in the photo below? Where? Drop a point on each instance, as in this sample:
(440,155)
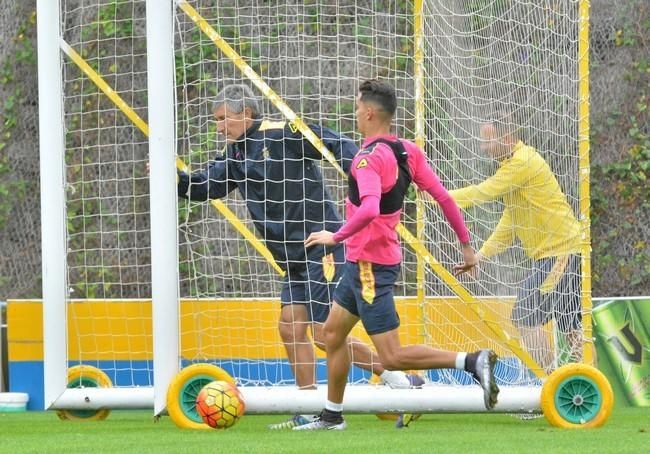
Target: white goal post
(164,237)
(52,144)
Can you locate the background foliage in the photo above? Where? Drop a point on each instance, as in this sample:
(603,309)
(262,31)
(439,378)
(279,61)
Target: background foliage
(620,143)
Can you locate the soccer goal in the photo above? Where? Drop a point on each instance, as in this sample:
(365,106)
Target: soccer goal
(140,284)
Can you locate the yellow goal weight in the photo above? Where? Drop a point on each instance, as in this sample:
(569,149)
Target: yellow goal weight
(577,396)
(183,389)
(84,376)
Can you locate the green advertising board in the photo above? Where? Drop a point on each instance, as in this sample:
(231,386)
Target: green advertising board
(622,331)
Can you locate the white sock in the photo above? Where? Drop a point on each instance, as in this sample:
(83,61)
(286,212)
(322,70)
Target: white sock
(460,360)
(395,379)
(331,406)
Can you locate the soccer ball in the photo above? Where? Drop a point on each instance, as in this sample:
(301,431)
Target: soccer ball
(220,404)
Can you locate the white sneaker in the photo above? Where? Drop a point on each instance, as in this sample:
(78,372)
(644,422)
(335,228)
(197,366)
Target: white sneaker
(396,379)
(402,380)
(320,424)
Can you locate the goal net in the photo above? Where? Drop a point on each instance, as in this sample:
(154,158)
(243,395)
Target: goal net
(107,245)
(451,62)
(483,60)
(476,57)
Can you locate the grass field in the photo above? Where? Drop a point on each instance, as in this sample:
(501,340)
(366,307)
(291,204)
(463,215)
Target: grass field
(628,430)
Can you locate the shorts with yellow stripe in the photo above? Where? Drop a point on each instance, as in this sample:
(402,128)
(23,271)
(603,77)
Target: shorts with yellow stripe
(550,291)
(313,283)
(366,290)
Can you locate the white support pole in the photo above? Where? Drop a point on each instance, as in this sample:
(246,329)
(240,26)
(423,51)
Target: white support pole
(379,399)
(359,399)
(98,398)
(52,156)
(162,153)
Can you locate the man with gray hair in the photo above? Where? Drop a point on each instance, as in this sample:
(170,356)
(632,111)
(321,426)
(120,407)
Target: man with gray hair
(276,171)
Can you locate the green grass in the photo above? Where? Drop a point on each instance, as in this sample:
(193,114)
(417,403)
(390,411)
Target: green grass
(628,430)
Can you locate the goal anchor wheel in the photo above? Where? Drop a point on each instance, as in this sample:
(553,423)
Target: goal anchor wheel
(182,392)
(577,396)
(84,376)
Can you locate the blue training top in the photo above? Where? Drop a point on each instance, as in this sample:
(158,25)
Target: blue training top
(276,171)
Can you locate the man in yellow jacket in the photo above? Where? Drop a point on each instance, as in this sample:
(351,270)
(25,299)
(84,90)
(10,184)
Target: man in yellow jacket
(538,215)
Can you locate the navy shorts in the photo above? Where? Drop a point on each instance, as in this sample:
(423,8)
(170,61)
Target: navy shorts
(552,290)
(366,290)
(314,284)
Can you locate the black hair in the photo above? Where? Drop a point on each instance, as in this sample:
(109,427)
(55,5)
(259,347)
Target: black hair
(379,93)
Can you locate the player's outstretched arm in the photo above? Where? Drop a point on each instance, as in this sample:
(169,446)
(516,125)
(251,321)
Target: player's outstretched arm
(206,185)
(502,237)
(202,185)
(367,211)
(470,260)
(513,173)
(426,179)
(342,147)
(323,237)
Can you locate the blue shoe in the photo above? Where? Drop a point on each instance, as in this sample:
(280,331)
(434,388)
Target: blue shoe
(416,381)
(296,421)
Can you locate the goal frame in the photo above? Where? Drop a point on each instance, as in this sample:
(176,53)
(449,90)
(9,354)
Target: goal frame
(164,237)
